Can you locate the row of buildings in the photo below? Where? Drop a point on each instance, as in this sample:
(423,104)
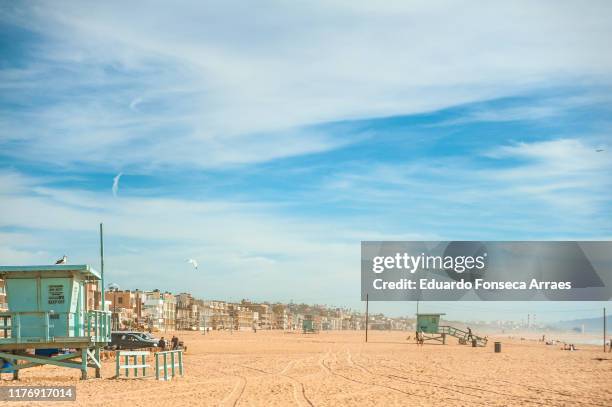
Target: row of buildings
(159,310)
(162,310)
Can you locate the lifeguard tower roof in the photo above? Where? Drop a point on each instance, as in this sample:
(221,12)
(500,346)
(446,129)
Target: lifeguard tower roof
(83,270)
(431,314)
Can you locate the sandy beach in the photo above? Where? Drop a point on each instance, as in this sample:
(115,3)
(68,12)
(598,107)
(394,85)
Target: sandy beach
(337,368)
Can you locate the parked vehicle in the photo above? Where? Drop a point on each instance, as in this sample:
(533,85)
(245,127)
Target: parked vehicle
(130,340)
(147,336)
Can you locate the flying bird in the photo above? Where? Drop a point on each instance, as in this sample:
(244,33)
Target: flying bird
(63,260)
(193,262)
(116,183)
(599,150)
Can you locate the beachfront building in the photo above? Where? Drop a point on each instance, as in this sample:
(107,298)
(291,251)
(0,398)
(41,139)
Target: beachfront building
(160,310)
(264,311)
(331,323)
(153,311)
(93,296)
(242,317)
(187,312)
(280,317)
(205,314)
(297,321)
(126,306)
(169,311)
(220,318)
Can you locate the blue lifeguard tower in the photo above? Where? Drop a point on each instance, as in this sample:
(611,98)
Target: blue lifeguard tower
(47,313)
(429,326)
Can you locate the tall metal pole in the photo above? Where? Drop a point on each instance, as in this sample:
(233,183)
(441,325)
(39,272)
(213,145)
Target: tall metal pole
(102,267)
(367,316)
(604,329)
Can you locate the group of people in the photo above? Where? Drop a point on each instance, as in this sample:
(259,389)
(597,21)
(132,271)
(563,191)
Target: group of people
(174,343)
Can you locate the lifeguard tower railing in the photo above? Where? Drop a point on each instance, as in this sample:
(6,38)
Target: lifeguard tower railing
(96,327)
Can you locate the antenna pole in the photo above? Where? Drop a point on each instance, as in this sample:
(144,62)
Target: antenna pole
(103,300)
(604,329)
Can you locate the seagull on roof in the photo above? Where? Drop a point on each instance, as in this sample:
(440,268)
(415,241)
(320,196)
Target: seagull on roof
(63,260)
(193,262)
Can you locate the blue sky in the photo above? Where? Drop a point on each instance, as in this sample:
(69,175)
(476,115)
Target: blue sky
(267,143)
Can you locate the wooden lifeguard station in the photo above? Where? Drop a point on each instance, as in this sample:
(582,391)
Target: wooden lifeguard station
(429,326)
(47,313)
(309,325)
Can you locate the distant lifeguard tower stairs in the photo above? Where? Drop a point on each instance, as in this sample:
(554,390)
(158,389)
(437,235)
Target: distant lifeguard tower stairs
(429,326)
(47,313)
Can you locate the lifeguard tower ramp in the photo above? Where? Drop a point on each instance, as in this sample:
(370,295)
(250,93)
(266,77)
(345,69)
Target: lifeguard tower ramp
(429,326)
(463,336)
(47,313)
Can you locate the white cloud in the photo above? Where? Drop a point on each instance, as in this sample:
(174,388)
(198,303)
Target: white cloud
(224,81)
(245,242)
(554,188)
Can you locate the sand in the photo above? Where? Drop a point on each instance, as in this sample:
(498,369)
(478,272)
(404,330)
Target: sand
(337,368)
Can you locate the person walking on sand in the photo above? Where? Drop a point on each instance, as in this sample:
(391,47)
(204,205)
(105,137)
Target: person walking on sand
(469,335)
(175,342)
(162,344)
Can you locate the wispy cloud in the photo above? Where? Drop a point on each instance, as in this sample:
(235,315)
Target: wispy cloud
(560,187)
(116,184)
(235,92)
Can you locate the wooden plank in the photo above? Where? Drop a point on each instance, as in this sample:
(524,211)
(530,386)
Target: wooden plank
(132,366)
(133,353)
(40,360)
(93,359)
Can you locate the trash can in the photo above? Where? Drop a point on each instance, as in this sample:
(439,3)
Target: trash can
(474,343)
(497,347)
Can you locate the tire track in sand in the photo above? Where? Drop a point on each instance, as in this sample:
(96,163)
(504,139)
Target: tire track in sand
(543,401)
(335,373)
(299,391)
(234,396)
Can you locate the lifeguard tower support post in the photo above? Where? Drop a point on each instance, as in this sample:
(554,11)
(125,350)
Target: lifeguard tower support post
(47,311)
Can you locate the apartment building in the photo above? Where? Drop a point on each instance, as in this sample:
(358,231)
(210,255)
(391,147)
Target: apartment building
(265,318)
(92,296)
(242,317)
(187,312)
(280,317)
(160,310)
(205,314)
(126,306)
(220,318)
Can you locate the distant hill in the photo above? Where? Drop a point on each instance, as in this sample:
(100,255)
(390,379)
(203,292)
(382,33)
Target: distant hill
(590,324)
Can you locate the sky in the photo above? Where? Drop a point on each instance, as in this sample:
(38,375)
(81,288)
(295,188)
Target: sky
(267,141)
